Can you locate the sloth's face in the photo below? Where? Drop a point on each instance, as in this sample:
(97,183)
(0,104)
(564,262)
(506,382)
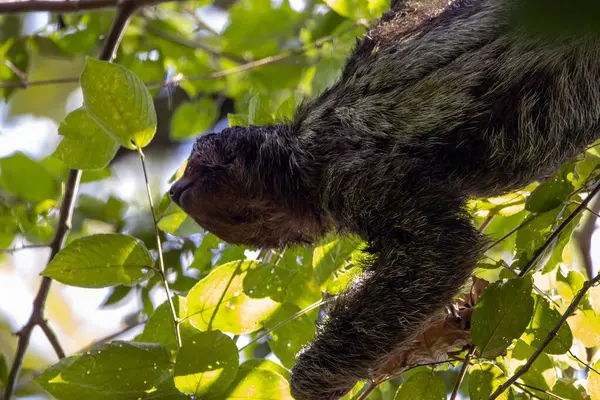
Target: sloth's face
(223,193)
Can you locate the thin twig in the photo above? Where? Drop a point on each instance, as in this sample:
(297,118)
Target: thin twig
(512,231)
(112,336)
(25,247)
(293,317)
(49,332)
(462,373)
(532,395)
(547,393)
(540,251)
(586,365)
(586,286)
(488,219)
(64,222)
(161,261)
(363,396)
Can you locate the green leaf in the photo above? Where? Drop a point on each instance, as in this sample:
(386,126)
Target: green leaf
(27,178)
(259,110)
(102,260)
(193,118)
(237,120)
(124,370)
(544,319)
(177,223)
(568,285)
(484,379)
(85,145)
(542,373)
(331,256)
(206,365)
(205,253)
(259,381)
(261,34)
(359,9)
(566,389)
(292,332)
(218,301)
(268,282)
(548,195)
(119,101)
(424,385)
(3,370)
(12,49)
(501,315)
(160,327)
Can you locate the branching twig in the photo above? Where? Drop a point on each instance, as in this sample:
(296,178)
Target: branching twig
(462,373)
(586,286)
(540,251)
(161,262)
(65,215)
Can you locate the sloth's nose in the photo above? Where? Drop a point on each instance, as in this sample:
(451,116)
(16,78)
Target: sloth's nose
(177,190)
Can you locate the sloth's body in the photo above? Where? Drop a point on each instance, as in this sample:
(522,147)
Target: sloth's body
(421,120)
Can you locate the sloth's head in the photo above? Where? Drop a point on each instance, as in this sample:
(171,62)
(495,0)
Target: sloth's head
(239,186)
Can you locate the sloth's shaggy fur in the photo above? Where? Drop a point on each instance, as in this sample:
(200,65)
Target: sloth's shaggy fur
(423,117)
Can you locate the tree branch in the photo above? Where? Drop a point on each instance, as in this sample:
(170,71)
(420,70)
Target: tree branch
(462,373)
(540,251)
(126,9)
(586,286)
(66,6)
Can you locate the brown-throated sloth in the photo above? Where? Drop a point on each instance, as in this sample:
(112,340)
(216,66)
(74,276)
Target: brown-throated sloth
(462,105)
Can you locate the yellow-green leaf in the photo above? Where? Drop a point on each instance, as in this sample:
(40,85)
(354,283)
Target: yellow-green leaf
(85,145)
(119,101)
(102,260)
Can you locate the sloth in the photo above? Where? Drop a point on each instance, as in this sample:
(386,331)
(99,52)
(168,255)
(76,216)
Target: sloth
(424,117)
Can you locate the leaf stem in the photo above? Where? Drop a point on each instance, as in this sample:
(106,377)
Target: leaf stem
(161,262)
